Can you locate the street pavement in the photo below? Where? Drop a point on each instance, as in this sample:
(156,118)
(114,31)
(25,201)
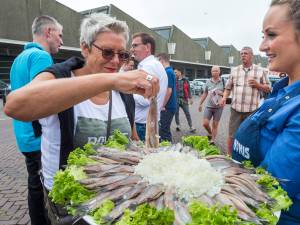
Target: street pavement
(13,174)
(197,123)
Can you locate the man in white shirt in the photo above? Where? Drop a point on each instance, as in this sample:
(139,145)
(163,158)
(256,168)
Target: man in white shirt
(143,50)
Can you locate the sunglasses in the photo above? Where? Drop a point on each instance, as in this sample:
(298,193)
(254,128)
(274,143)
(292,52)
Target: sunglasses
(109,54)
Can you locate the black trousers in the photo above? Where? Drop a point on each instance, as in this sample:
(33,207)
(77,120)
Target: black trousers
(36,205)
(166,118)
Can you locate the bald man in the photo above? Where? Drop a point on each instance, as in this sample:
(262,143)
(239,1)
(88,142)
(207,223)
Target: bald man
(213,110)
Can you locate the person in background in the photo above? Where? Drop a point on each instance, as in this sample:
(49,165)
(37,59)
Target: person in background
(143,50)
(169,105)
(246,82)
(47,39)
(184,98)
(214,90)
(270,137)
(129,65)
(79,101)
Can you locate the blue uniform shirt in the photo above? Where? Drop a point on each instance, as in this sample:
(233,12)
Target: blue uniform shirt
(33,60)
(280,139)
(171,104)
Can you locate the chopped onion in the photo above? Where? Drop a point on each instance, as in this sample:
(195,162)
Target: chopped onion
(191,177)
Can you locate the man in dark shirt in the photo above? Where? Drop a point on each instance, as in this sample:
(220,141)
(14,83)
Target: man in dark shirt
(184,98)
(169,105)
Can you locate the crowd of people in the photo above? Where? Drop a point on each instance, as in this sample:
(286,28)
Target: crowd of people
(84,99)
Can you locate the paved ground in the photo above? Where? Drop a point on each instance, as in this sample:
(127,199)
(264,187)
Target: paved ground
(197,123)
(13,175)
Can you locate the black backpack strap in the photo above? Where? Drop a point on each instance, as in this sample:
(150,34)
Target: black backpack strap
(108,127)
(37,128)
(66,118)
(129,103)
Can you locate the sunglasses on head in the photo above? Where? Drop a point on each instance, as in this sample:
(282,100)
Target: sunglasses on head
(109,54)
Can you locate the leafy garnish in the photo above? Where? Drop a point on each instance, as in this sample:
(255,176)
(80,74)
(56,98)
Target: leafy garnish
(79,157)
(147,215)
(67,191)
(265,213)
(247,164)
(99,213)
(117,140)
(201,144)
(76,172)
(217,215)
(165,144)
(267,181)
(282,199)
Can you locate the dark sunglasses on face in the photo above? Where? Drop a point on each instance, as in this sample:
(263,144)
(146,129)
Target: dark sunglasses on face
(109,54)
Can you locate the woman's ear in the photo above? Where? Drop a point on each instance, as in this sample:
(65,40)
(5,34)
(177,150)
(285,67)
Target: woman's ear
(85,50)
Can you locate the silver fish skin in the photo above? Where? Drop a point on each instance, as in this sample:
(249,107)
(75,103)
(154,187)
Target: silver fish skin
(103,159)
(229,171)
(135,190)
(251,184)
(249,201)
(159,203)
(170,198)
(152,137)
(98,168)
(92,203)
(240,205)
(117,194)
(150,193)
(130,181)
(105,181)
(182,213)
(118,211)
(206,199)
(245,189)
(223,199)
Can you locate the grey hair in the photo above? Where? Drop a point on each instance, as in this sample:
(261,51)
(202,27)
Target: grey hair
(40,22)
(293,11)
(248,48)
(95,24)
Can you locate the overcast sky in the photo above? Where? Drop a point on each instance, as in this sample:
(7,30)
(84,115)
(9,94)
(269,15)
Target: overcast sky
(236,22)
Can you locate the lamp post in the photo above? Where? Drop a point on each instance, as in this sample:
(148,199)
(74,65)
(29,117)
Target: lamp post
(207,56)
(171,48)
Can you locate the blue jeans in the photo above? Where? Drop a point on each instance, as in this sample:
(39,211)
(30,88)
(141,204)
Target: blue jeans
(141,130)
(36,205)
(166,118)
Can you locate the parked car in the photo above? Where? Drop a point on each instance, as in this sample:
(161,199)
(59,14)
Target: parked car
(4,90)
(224,78)
(192,87)
(198,86)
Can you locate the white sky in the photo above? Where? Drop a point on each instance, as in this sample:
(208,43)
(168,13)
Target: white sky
(236,22)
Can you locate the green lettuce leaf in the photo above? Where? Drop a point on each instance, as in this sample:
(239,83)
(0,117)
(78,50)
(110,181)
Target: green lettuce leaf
(79,157)
(216,215)
(165,144)
(147,215)
(201,144)
(99,213)
(117,140)
(265,213)
(67,191)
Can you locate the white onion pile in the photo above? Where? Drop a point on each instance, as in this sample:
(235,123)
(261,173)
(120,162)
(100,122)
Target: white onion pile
(191,177)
